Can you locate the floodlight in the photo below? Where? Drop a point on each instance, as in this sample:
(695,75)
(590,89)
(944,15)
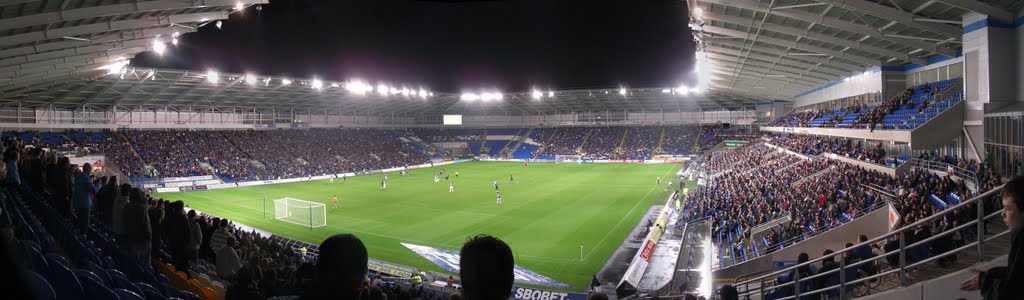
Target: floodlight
(219,24)
(423,94)
(286,81)
(537,94)
(622,91)
(250,79)
(239,6)
(211,76)
(159,47)
(698,12)
(665,91)
(695,90)
(551,94)
(317,84)
(470,97)
(174,41)
(382,89)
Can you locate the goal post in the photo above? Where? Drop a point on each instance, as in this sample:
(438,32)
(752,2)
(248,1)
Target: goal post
(300,212)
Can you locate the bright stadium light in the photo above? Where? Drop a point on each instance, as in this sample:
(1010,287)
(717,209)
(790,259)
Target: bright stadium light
(683,90)
(622,91)
(537,94)
(405,91)
(695,90)
(666,91)
(286,81)
(317,84)
(698,12)
(159,47)
(119,66)
(423,93)
(382,89)
(393,91)
(334,84)
(358,87)
(250,79)
(469,97)
(211,76)
(174,41)
(239,6)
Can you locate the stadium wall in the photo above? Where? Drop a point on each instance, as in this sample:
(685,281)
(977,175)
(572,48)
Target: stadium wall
(864,83)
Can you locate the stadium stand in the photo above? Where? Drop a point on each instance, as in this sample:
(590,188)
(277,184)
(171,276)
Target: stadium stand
(915,106)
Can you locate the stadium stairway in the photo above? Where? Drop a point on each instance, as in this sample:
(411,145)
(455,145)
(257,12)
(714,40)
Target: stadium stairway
(661,142)
(585,138)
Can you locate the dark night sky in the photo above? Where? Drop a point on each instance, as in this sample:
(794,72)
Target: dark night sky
(450,46)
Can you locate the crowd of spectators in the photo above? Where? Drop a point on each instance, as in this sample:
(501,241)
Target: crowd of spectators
(814,145)
(163,151)
(867,117)
(434,135)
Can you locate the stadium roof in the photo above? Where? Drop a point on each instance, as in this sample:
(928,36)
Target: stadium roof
(776,49)
(142,88)
(45,42)
(59,54)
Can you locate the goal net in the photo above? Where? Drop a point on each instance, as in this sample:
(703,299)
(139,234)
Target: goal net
(569,159)
(300,212)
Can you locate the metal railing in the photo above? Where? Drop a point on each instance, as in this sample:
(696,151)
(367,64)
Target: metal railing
(779,245)
(945,167)
(759,286)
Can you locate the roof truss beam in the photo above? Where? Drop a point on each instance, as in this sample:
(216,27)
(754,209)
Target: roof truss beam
(823,20)
(793,44)
(85,30)
(803,33)
(897,15)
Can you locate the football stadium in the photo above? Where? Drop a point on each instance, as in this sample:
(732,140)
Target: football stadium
(533,150)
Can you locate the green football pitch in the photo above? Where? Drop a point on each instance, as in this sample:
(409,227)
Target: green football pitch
(546,213)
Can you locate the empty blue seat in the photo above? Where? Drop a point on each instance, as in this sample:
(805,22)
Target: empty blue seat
(95,289)
(65,283)
(41,288)
(124,294)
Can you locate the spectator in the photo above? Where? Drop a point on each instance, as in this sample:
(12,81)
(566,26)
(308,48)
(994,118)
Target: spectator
(341,269)
(220,235)
(451,282)
(486,268)
(35,170)
(118,207)
(58,183)
(195,237)
(105,198)
(1005,282)
(245,286)
(728,292)
(85,190)
(11,158)
(138,236)
(228,261)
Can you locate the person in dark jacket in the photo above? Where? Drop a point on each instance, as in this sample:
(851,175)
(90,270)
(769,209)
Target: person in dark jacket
(105,199)
(137,231)
(35,170)
(84,192)
(341,269)
(1005,282)
(58,183)
(177,233)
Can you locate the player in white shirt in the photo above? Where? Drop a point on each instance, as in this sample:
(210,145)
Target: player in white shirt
(332,179)
(495,184)
(451,186)
(499,197)
(436,179)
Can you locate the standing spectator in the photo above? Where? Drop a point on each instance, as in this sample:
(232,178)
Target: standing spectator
(176,228)
(486,268)
(35,169)
(117,209)
(220,235)
(85,190)
(228,261)
(246,287)
(58,182)
(1005,282)
(195,238)
(11,157)
(340,269)
(138,233)
(156,219)
(106,197)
